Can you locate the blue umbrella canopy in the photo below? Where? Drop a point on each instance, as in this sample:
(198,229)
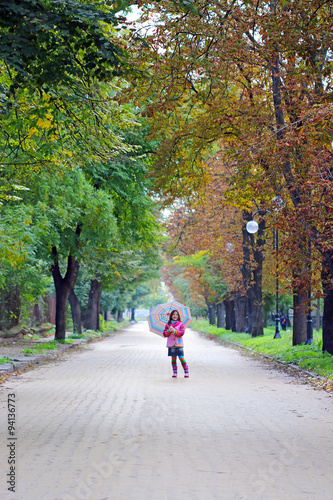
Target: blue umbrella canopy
(161,314)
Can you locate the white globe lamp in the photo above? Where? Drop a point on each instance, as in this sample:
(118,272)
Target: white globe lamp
(252,227)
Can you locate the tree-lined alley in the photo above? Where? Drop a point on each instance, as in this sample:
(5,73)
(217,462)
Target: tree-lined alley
(221,112)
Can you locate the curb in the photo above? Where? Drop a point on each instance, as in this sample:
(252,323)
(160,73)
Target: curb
(21,362)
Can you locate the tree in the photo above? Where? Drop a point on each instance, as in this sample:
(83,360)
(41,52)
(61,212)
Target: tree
(52,42)
(22,274)
(58,66)
(68,214)
(62,127)
(157,294)
(253,74)
(135,299)
(124,178)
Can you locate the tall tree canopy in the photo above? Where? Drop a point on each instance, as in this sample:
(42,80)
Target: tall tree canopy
(69,149)
(55,42)
(255,75)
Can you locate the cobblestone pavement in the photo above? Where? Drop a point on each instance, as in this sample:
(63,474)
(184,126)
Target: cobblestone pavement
(109,423)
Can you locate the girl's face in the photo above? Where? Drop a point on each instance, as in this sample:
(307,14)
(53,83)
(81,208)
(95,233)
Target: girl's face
(174,316)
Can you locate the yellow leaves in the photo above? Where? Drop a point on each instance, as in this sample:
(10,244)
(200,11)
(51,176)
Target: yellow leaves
(195,260)
(45,124)
(13,253)
(14,259)
(32,131)
(115,270)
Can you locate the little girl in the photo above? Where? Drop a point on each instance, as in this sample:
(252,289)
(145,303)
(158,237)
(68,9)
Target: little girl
(174,330)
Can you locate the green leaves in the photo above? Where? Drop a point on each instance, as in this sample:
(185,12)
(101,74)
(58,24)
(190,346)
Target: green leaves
(51,42)
(73,163)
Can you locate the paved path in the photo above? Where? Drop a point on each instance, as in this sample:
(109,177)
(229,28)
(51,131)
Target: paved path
(110,423)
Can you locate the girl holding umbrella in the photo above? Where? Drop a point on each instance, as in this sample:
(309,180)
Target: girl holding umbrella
(174,331)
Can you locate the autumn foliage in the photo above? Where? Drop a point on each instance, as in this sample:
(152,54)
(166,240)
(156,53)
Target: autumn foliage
(240,96)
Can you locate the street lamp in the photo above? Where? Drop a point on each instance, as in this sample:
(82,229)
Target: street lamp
(252,228)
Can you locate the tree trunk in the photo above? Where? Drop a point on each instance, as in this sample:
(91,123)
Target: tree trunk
(212,313)
(301,294)
(220,315)
(92,315)
(296,194)
(233,316)
(50,301)
(252,275)
(10,306)
(120,316)
(99,310)
(248,316)
(256,319)
(133,314)
(62,293)
(326,277)
(226,303)
(76,312)
(240,313)
(300,300)
(328,321)
(37,314)
(318,316)
(63,287)
(229,315)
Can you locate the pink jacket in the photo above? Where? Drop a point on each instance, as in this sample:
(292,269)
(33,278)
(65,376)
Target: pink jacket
(175,340)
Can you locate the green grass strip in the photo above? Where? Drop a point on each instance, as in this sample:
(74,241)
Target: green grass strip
(307,357)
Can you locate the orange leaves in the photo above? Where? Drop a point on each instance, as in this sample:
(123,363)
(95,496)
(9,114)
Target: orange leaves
(239,101)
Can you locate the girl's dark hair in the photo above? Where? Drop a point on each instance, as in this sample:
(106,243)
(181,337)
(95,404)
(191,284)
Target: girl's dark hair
(175,310)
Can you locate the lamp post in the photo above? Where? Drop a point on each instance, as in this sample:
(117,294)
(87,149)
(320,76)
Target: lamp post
(252,228)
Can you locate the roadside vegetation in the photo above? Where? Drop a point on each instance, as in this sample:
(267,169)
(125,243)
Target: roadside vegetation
(307,357)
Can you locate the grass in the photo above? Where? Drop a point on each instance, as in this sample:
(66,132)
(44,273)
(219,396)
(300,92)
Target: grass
(86,334)
(75,336)
(5,360)
(307,357)
(106,326)
(41,347)
(114,325)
